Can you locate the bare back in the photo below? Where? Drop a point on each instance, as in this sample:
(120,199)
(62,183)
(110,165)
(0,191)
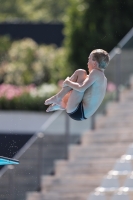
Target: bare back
(94,95)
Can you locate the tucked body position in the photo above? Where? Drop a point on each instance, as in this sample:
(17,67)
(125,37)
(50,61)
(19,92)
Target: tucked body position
(82,93)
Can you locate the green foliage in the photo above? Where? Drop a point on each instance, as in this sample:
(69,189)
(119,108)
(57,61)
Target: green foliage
(27,62)
(33,10)
(25,98)
(25,102)
(93,24)
(9,10)
(5,44)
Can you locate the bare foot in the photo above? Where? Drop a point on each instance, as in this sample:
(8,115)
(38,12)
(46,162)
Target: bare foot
(54,100)
(54,107)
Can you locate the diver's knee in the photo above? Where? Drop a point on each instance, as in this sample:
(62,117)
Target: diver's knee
(81,73)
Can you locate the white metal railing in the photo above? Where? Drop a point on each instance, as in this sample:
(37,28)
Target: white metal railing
(126,38)
(121,44)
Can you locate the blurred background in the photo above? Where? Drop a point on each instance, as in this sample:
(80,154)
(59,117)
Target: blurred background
(42,42)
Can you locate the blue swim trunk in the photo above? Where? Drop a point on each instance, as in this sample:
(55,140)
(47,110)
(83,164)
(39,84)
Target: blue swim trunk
(78,114)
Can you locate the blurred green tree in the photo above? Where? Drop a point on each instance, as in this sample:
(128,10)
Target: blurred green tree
(27,62)
(5,44)
(33,10)
(93,24)
(10,10)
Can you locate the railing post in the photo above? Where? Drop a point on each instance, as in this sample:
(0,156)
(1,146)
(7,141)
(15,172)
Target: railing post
(40,159)
(92,122)
(11,182)
(117,72)
(67,135)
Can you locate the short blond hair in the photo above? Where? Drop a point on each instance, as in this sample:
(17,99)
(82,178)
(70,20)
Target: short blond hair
(102,57)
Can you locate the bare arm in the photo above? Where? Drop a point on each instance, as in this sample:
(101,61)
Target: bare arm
(81,87)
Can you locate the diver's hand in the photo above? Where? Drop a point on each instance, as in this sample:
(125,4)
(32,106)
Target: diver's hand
(66,82)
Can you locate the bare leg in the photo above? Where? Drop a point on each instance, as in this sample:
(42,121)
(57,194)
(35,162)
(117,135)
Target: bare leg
(54,107)
(72,98)
(57,99)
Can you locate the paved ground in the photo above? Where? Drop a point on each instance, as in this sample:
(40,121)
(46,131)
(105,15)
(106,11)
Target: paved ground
(31,122)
